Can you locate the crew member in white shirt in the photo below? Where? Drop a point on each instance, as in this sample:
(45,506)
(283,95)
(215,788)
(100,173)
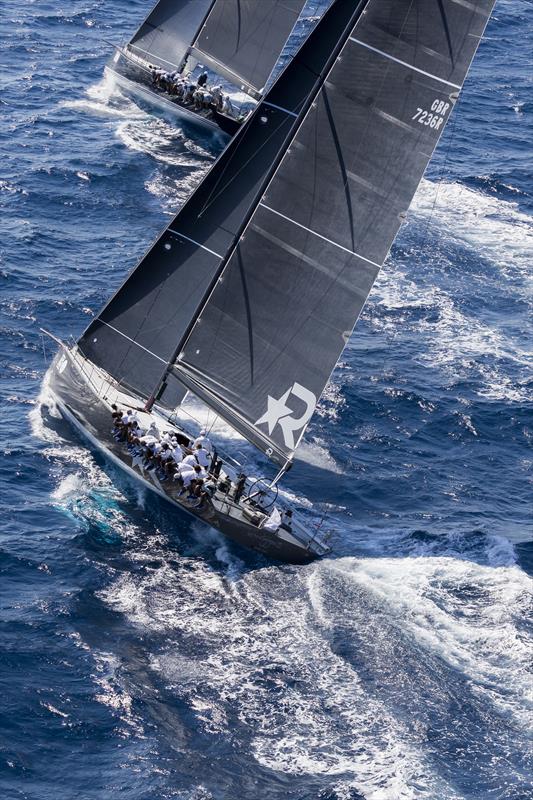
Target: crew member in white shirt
(201,456)
(188,461)
(204,441)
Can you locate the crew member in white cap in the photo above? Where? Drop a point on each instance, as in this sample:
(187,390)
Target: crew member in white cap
(204,441)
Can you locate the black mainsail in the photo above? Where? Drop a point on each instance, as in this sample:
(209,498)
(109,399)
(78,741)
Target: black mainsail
(138,332)
(239,39)
(242,39)
(166,34)
(249,296)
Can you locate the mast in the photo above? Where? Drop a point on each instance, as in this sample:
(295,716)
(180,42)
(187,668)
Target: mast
(135,335)
(248,297)
(269,336)
(260,190)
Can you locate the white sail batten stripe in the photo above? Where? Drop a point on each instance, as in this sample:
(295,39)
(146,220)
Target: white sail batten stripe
(193,241)
(403,63)
(280,108)
(162,360)
(325,238)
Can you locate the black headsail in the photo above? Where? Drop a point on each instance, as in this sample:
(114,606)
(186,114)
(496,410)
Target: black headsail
(266,341)
(168,31)
(239,39)
(295,220)
(138,333)
(242,39)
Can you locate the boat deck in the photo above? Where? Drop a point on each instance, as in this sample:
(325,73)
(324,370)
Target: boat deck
(245,512)
(134,75)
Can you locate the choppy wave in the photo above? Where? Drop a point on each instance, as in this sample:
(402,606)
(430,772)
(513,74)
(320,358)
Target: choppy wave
(145,652)
(286,656)
(496,229)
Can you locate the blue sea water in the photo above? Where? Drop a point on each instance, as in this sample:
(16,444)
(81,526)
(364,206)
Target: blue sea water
(143,657)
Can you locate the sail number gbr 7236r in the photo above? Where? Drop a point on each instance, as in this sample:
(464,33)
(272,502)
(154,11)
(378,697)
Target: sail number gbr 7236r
(435,117)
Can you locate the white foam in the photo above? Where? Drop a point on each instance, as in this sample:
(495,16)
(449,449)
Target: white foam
(161,140)
(465,613)
(105,98)
(73,484)
(449,338)
(44,403)
(322,723)
(272,659)
(111,691)
(316,453)
(493,226)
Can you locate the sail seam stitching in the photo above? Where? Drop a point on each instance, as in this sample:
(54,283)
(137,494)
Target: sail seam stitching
(403,63)
(193,241)
(325,238)
(132,340)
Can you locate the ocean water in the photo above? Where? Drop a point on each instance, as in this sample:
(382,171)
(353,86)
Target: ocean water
(141,655)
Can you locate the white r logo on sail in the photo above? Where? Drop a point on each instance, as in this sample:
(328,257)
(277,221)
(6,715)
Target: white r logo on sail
(279,413)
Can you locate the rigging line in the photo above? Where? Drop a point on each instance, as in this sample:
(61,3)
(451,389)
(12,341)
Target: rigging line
(441,178)
(171,63)
(132,340)
(193,241)
(209,57)
(216,194)
(279,108)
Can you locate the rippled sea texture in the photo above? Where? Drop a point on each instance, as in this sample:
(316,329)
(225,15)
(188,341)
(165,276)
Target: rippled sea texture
(142,657)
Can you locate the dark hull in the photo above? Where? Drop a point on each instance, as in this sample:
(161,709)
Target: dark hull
(89,415)
(137,83)
(225,123)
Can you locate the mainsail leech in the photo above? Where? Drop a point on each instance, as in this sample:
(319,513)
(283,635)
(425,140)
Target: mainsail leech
(302,241)
(247,37)
(273,329)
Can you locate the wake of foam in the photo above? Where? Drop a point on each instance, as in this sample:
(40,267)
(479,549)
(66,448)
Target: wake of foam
(106,99)
(462,344)
(469,615)
(44,403)
(494,227)
(269,655)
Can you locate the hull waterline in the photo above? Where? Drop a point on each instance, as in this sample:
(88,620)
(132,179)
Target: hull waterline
(216,124)
(89,415)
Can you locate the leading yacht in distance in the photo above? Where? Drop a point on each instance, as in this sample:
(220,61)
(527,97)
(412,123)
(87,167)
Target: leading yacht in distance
(234,43)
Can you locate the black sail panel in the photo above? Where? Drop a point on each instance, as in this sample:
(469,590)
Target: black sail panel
(278,319)
(247,36)
(168,31)
(136,334)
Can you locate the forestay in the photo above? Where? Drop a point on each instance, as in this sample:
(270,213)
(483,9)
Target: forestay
(266,341)
(242,39)
(137,334)
(166,35)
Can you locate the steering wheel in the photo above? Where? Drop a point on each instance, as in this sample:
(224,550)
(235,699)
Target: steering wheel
(262,493)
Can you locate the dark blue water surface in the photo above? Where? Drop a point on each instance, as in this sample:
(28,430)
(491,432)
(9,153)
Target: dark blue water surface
(142,657)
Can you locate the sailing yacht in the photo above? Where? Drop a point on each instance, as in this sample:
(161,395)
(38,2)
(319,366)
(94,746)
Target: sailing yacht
(239,41)
(248,297)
